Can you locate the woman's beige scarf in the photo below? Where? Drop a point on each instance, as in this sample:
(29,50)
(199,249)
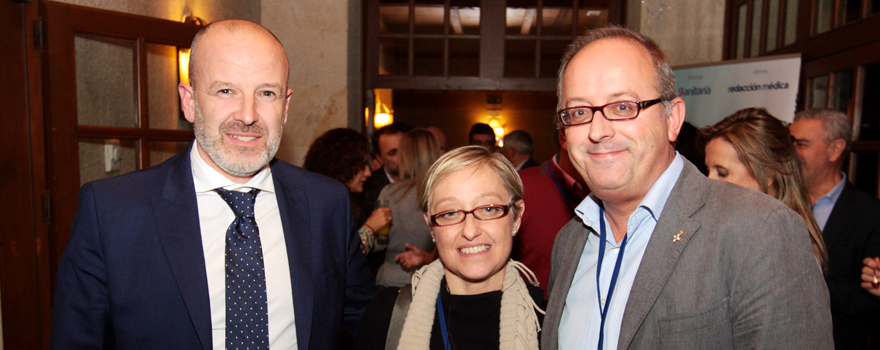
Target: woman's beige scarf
(519,325)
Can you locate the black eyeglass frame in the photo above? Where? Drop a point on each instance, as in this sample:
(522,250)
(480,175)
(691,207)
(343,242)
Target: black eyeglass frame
(506,209)
(640,105)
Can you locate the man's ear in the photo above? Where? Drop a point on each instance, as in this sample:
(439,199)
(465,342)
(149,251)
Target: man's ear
(675,118)
(835,149)
(286,105)
(187,101)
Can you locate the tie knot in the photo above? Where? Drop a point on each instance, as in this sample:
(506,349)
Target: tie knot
(241,203)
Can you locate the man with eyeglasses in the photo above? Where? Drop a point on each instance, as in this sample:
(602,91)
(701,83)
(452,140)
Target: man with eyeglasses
(660,257)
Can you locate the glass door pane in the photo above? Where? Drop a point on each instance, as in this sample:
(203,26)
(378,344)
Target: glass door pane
(757,11)
(103,158)
(162,80)
(106,83)
(842,91)
(819,91)
(741,19)
(772,24)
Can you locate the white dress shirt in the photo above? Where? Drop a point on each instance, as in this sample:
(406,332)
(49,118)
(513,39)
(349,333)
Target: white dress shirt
(579,325)
(215,216)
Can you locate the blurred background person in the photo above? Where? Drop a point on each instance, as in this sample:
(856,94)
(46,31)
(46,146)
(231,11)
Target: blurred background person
(440,136)
(849,220)
(518,148)
(472,200)
(482,135)
(552,190)
(385,142)
(753,149)
(344,155)
(409,233)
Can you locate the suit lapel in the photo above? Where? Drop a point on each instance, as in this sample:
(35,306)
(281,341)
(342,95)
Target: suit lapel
(177,219)
(294,209)
(668,241)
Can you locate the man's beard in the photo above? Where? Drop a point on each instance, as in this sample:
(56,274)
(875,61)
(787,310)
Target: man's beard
(235,160)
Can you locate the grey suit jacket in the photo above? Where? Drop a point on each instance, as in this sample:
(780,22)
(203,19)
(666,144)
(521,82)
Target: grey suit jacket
(742,276)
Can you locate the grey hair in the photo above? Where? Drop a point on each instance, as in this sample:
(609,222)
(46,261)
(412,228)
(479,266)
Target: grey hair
(521,141)
(665,77)
(835,124)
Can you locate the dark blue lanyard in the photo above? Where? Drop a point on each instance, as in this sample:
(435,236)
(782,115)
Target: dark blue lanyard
(604,311)
(443,332)
(561,190)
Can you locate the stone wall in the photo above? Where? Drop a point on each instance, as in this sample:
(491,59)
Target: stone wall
(689,31)
(315,35)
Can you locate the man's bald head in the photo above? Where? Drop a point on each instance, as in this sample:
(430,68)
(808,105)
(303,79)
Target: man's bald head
(236,28)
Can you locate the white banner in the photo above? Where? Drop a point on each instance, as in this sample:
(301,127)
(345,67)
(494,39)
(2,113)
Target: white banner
(714,91)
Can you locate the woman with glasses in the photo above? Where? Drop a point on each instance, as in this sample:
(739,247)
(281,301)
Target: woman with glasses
(473,297)
(753,149)
(409,240)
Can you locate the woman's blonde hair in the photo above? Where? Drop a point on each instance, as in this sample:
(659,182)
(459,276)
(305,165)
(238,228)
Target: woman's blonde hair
(765,147)
(418,150)
(471,157)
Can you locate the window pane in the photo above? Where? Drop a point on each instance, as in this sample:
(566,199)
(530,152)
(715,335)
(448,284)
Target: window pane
(393,56)
(772,24)
(464,57)
(92,152)
(160,151)
(741,18)
(866,172)
(824,10)
(429,19)
(875,6)
(818,91)
(869,130)
(162,79)
(105,81)
(592,18)
(756,27)
(850,10)
(519,58)
(428,59)
(791,8)
(842,92)
(522,20)
(556,20)
(464,17)
(394,18)
(551,55)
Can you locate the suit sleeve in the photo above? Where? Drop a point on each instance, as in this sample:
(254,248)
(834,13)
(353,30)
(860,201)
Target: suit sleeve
(847,295)
(359,285)
(81,306)
(777,294)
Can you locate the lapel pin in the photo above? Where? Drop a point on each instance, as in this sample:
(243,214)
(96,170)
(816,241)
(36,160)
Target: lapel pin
(677,237)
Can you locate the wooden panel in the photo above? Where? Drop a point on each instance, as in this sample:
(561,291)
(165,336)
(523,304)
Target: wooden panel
(60,107)
(465,83)
(24,273)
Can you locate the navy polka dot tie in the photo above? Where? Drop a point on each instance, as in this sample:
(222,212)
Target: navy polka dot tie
(247,321)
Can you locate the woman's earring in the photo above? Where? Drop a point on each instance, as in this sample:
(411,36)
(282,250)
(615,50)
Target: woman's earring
(514,232)
(433,240)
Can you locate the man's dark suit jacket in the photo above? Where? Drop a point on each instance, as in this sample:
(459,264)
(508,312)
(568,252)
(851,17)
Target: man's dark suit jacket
(851,234)
(133,274)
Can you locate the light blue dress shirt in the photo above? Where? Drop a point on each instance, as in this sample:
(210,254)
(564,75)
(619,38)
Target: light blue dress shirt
(579,326)
(824,205)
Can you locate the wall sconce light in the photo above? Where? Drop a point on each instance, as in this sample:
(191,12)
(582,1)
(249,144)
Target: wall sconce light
(384,115)
(183,62)
(183,53)
(496,122)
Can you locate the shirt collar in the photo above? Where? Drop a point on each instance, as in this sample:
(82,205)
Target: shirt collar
(654,200)
(207,179)
(835,192)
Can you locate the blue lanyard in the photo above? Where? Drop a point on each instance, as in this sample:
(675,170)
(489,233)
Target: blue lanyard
(443,331)
(561,191)
(604,311)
